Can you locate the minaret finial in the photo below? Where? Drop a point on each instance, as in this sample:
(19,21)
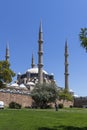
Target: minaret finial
(7,52)
(66,66)
(40,55)
(32,64)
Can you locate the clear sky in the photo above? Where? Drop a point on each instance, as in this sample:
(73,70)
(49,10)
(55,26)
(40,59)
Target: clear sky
(61,20)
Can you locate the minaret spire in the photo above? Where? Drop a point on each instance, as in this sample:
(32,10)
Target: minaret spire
(40,55)
(66,66)
(40,32)
(32,64)
(7,52)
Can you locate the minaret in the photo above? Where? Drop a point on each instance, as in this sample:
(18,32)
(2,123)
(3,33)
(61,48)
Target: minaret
(40,55)
(32,64)
(7,53)
(66,67)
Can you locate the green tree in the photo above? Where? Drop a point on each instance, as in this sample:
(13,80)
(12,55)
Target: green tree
(83,38)
(43,94)
(65,95)
(6,73)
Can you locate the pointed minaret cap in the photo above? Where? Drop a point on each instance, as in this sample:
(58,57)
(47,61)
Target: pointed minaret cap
(66,44)
(40,31)
(66,47)
(7,52)
(32,64)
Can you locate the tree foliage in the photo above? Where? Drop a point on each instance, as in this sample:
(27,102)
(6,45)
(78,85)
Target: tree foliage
(83,38)
(6,73)
(65,95)
(43,94)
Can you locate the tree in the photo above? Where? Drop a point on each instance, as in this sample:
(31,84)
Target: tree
(6,73)
(43,94)
(65,95)
(83,38)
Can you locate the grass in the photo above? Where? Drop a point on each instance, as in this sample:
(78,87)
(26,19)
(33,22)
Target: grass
(39,119)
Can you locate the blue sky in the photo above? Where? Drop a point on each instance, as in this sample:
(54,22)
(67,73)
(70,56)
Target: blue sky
(61,20)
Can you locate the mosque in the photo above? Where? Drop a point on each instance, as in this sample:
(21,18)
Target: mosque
(20,90)
(36,74)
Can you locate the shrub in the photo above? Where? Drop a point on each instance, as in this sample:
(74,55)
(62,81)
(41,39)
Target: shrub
(14,105)
(60,105)
(71,106)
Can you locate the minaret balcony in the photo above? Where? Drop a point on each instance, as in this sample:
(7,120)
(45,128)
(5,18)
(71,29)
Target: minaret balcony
(40,65)
(40,52)
(66,73)
(40,41)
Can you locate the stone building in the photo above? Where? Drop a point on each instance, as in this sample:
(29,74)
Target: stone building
(80,102)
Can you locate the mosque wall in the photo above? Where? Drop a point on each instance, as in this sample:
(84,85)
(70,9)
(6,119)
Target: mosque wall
(25,100)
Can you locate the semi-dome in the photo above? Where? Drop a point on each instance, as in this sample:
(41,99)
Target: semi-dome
(30,83)
(14,85)
(35,71)
(22,86)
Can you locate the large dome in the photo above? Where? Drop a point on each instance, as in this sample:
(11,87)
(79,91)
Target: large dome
(35,71)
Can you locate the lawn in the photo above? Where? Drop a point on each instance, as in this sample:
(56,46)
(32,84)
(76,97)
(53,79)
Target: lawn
(39,119)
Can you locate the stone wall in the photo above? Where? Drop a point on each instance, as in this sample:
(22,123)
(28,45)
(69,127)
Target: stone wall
(65,103)
(24,100)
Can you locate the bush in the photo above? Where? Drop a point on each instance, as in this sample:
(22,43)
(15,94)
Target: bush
(71,106)
(14,105)
(60,105)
